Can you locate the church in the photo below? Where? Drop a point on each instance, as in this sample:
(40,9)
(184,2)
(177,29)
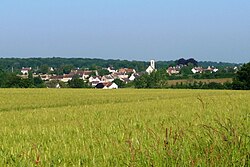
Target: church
(151,67)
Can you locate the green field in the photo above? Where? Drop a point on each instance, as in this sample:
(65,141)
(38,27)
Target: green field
(129,127)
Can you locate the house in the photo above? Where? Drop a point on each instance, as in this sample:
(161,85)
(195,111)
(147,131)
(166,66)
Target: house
(106,85)
(45,77)
(107,78)
(197,70)
(211,69)
(119,75)
(126,70)
(67,77)
(56,77)
(173,70)
(82,74)
(25,71)
(125,80)
(85,74)
(134,76)
(94,83)
(111,70)
(201,70)
(111,85)
(94,79)
(151,68)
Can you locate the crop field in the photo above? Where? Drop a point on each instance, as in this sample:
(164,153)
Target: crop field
(129,127)
(187,81)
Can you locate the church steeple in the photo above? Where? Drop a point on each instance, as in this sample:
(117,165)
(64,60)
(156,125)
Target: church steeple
(151,67)
(152,63)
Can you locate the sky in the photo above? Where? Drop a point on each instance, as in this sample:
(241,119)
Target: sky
(207,30)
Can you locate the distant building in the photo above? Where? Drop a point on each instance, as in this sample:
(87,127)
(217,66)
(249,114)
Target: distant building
(25,71)
(151,68)
(202,70)
(173,70)
(107,78)
(106,85)
(111,70)
(197,70)
(135,75)
(126,70)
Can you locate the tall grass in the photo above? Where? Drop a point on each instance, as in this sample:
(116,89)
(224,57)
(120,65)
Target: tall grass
(68,127)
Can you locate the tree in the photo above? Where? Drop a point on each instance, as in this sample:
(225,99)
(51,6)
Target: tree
(76,82)
(38,82)
(11,81)
(242,79)
(119,83)
(44,69)
(2,77)
(192,61)
(181,61)
(157,79)
(102,72)
(186,62)
(142,81)
(66,69)
(187,70)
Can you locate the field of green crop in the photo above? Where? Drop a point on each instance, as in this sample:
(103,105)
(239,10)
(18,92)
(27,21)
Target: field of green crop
(79,127)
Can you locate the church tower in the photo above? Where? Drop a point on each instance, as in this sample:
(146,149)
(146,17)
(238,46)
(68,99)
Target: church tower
(151,67)
(152,64)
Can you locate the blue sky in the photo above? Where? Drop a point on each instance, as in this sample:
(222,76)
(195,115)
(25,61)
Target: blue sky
(216,30)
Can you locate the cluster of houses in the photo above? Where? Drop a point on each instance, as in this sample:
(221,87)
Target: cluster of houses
(177,69)
(126,75)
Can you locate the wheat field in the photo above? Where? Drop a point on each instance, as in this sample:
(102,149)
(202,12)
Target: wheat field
(126,127)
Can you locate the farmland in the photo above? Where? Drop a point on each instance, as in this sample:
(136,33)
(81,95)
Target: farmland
(187,81)
(129,127)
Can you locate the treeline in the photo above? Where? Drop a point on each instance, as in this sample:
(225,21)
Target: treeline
(217,64)
(9,64)
(61,63)
(11,80)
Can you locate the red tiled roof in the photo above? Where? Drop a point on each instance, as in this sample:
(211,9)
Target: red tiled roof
(56,77)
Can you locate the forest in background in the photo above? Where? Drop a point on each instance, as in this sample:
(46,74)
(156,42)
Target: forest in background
(9,64)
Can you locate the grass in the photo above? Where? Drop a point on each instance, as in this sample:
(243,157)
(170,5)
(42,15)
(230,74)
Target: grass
(78,127)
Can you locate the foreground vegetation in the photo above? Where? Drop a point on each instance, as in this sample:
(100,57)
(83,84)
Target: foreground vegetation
(79,127)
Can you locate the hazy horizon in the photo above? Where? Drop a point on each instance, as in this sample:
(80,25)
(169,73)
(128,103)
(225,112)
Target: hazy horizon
(140,30)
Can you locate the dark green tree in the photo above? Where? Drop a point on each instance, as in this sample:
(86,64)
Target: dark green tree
(38,82)
(141,82)
(44,69)
(186,70)
(120,83)
(242,79)
(102,72)
(12,81)
(76,82)
(157,79)
(66,69)
(2,77)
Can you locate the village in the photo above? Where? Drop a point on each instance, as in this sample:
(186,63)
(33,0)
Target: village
(96,80)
